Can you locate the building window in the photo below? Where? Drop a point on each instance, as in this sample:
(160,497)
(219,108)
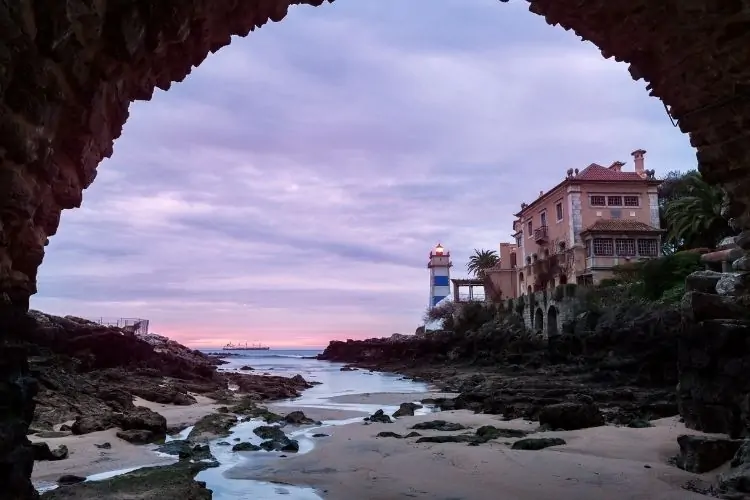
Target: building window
(543,218)
(615,213)
(558,209)
(513,262)
(530,227)
(625,247)
(631,201)
(528,260)
(598,201)
(603,247)
(614,201)
(648,248)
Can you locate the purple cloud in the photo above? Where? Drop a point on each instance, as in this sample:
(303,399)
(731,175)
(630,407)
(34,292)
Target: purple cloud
(289,190)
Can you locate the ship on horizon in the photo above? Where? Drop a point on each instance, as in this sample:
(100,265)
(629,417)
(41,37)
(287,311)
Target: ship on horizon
(246,347)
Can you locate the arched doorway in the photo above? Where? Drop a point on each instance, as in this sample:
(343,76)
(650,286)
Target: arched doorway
(552,329)
(72,75)
(539,320)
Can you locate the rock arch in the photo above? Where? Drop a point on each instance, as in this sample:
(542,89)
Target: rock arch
(69,70)
(539,320)
(552,318)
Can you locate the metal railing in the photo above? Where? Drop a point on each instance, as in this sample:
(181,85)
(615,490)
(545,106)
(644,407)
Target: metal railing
(134,325)
(540,234)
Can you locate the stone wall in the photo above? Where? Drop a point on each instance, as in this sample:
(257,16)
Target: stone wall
(546,311)
(714,354)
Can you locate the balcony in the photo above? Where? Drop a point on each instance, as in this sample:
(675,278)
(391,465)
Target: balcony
(541,235)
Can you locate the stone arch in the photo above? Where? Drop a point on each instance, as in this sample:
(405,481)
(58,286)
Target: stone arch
(539,319)
(70,74)
(552,318)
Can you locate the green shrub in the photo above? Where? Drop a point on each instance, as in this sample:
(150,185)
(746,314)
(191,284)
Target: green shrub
(559,292)
(570,289)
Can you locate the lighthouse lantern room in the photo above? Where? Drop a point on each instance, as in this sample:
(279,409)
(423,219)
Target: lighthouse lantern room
(440,274)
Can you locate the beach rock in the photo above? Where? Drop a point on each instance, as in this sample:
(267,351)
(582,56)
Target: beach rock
(701,454)
(249,408)
(537,443)
(406,410)
(398,436)
(571,416)
(149,483)
(456,438)
(285,445)
(245,447)
(216,425)
(65,428)
(185,450)
(269,432)
(379,416)
(159,393)
(735,483)
(320,435)
(488,432)
(69,479)
(247,368)
(347,368)
(439,425)
(142,418)
(85,424)
(104,446)
(137,436)
(52,434)
(299,418)
(42,451)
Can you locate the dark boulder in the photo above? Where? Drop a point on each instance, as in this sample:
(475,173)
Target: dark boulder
(137,436)
(571,416)
(245,446)
(439,425)
(212,426)
(701,454)
(406,410)
(736,482)
(69,479)
(85,424)
(42,451)
(537,443)
(379,416)
(299,418)
(141,418)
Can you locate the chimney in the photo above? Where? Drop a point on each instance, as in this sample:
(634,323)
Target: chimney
(638,156)
(617,166)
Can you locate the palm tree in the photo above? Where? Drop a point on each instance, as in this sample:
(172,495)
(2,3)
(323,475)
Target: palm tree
(481,261)
(693,217)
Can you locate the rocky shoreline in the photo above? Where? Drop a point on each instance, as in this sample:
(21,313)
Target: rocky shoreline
(618,366)
(92,377)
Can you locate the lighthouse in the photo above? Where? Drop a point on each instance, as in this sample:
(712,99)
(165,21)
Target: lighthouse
(440,274)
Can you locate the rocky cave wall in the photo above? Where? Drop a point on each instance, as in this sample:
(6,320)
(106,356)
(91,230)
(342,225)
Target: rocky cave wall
(70,68)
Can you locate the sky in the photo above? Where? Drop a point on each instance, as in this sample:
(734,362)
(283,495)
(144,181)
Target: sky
(290,189)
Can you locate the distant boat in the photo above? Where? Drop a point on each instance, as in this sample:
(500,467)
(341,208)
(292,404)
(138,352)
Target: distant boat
(246,347)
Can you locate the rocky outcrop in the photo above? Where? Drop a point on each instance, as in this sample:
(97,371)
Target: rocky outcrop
(623,359)
(701,454)
(714,358)
(149,483)
(571,416)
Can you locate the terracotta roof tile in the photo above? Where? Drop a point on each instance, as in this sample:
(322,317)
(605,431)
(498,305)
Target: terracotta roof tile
(596,172)
(621,225)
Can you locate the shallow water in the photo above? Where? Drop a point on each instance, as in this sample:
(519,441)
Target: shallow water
(333,382)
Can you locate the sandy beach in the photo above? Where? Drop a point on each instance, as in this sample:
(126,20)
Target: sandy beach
(86,459)
(603,462)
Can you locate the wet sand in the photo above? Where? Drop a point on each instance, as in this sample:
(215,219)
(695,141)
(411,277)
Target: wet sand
(616,463)
(86,459)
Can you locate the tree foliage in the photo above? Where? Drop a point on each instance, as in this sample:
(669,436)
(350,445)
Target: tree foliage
(481,261)
(690,211)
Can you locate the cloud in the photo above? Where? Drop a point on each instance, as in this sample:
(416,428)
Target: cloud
(290,189)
